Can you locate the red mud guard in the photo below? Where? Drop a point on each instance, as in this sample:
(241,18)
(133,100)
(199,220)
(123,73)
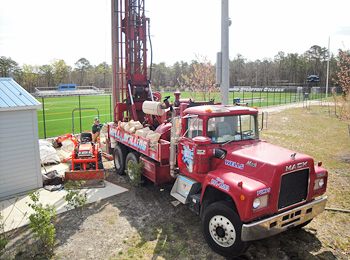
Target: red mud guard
(92,178)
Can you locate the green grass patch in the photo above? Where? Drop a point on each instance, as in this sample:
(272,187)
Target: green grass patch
(59,115)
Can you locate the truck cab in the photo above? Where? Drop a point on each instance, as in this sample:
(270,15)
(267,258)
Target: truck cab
(243,187)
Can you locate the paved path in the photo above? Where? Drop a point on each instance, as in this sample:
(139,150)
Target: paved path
(15,211)
(279,108)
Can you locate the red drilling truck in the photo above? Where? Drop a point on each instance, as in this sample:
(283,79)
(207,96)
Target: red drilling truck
(243,188)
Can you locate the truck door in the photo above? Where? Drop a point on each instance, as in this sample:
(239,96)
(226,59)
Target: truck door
(193,128)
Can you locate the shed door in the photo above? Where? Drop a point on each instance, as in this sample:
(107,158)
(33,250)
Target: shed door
(20,169)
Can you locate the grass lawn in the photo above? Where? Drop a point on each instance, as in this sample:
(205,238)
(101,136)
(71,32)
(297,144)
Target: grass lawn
(318,133)
(59,113)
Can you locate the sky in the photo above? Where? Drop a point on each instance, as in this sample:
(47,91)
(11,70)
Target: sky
(36,32)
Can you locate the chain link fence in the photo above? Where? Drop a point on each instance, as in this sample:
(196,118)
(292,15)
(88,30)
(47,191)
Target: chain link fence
(69,114)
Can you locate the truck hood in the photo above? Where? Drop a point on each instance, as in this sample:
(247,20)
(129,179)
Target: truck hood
(257,168)
(261,160)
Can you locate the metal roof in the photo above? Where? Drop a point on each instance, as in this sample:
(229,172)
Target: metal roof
(14,97)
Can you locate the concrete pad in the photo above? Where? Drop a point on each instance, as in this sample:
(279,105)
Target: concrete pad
(16,210)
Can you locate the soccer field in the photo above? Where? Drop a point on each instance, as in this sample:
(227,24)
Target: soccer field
(59,113)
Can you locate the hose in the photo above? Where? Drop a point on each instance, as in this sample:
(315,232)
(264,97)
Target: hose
(341,210)
(150,45)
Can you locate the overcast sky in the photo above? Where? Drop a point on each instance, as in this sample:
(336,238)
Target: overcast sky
(37,31)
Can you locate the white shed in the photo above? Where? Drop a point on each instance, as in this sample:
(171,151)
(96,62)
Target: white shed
(20,168)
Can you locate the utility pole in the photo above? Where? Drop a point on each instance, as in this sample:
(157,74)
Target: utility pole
(329,57)
(224,79)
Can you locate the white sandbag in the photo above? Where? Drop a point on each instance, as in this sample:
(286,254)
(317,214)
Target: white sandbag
(134,125)
(153,137)
(48,154)
(128,126)
(142,132)
(132,130)
(121,125)
(138,125)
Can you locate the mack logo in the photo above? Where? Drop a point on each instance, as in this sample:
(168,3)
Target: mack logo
(250,163)
(296,166)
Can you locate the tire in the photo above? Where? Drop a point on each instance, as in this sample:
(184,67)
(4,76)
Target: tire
(100,165)
(119,155)
(76,167)
(134,157)
(222,229)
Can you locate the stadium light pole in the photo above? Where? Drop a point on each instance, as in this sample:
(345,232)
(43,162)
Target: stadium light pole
(225,81)
(329,54)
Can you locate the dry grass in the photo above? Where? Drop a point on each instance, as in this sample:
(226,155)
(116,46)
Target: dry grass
(317,133)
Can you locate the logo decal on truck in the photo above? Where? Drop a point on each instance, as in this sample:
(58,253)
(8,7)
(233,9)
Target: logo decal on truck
(262,192)
(296,166)
(188,157)
(220,183)
(132,140)
(234,164)
(250,163)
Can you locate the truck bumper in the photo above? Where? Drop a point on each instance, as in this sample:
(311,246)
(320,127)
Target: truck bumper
(284,221)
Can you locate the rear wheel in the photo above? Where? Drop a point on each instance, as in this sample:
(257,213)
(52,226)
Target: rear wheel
(134,158)
(119,155)
(222,229)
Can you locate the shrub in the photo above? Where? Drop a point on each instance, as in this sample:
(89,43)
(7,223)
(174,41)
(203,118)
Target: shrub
(75,197)
(3,236)
(135,173)
(40,222)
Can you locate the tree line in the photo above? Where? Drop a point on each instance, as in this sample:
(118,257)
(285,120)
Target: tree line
(58,72)
(289,69)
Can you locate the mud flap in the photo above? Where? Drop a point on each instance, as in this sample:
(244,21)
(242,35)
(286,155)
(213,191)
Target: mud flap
(92,178)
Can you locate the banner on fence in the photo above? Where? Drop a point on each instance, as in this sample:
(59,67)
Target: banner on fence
(248,89)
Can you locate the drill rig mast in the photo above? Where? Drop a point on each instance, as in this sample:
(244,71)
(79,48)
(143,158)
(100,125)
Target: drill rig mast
(131,85)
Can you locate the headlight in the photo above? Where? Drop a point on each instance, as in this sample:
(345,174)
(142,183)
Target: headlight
(256,203)
(260,202)
(319,183)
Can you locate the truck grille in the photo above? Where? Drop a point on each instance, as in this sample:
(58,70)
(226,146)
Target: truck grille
(294,188)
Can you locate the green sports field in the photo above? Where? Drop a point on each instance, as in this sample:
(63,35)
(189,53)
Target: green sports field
(59,110)
(59,114)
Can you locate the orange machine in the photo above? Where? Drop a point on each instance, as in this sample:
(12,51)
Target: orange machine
(86,160)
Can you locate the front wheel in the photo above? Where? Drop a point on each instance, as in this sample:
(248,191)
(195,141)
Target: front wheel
(222,229)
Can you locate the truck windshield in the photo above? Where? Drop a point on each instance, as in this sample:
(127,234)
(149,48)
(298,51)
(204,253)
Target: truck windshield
(222,129)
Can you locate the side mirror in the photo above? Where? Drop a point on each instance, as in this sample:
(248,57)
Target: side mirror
(178,127)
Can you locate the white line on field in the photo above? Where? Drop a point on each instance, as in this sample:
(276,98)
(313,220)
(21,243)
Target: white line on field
(76,118)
